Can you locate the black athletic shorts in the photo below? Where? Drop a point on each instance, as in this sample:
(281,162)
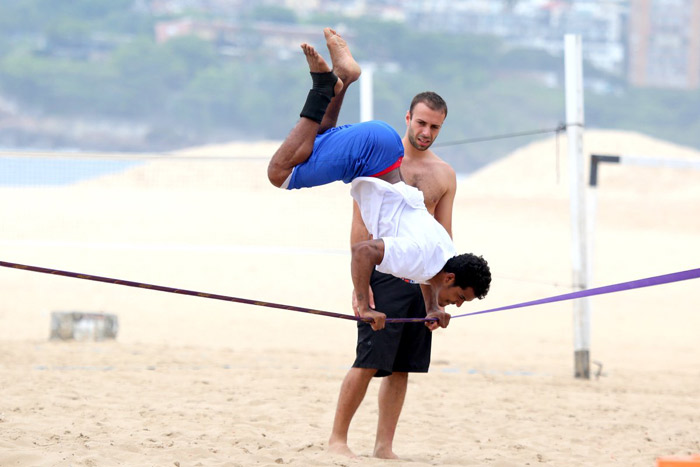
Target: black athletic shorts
(401,347)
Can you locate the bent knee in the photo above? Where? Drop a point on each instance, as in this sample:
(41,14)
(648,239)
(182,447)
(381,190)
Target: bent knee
(278,177)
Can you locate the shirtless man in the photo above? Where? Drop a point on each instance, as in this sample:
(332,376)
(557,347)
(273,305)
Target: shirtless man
(401,348)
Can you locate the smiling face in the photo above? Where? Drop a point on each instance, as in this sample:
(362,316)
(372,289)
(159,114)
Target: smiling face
(454,295)
(423,126)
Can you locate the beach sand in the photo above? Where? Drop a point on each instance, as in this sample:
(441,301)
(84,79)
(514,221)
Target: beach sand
(191,381)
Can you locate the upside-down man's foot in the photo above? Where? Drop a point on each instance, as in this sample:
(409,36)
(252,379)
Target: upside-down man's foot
(344,65)
(318,65)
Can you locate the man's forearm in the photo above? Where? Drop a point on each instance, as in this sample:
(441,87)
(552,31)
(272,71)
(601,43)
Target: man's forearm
(365,256)
(429,298)
(433,309)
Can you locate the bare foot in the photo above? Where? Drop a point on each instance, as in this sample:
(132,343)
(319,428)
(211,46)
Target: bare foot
(318,65)
(385,454)
(342,449)
(344,65)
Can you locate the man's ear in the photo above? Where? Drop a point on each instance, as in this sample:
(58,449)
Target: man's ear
(408,117)
(449,278)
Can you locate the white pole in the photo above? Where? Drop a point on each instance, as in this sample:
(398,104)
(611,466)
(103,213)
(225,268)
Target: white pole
(366,95)
(574,131)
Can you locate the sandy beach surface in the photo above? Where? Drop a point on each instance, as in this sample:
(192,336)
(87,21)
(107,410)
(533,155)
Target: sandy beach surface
(191,381)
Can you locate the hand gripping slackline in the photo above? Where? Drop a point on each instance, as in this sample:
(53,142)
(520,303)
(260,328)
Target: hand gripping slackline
(636,284)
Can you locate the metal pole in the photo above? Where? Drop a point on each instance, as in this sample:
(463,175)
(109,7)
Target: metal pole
(579,255)
(366,92)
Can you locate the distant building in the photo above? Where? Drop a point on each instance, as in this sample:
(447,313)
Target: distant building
(534,24)
(232,38)
(166,30)
(652,43)
(664,43)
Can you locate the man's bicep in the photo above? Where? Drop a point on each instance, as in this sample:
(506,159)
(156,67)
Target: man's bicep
(358,231)
(369,251)
(444,207)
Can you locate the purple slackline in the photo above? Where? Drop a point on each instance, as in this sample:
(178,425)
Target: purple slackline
(193,293)
(647,282)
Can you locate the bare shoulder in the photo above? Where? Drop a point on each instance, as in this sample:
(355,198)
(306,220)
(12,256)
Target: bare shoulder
(427,160)
(442,169)
(431,175)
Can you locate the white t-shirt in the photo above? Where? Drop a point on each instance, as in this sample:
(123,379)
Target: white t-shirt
(416,246)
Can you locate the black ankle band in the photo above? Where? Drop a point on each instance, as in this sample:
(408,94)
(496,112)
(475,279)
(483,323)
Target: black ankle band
(315,106)
(324,82)
(320,95)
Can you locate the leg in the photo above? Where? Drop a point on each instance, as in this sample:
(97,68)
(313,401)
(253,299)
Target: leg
(392,394)
(297,147)
(399,300)
(352,392)
(346,68)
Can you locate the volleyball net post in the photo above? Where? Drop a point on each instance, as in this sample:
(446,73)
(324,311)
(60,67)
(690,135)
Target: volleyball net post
(579,255)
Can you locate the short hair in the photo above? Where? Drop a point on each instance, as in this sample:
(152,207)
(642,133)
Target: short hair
(431,99)
(470,271)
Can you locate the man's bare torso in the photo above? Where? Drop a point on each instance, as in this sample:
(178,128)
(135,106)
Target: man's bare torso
(430,174)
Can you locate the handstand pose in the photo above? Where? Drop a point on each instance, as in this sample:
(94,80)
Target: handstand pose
(316,152)
(407,241)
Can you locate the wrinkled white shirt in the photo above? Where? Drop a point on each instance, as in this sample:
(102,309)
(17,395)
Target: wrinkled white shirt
(416,246)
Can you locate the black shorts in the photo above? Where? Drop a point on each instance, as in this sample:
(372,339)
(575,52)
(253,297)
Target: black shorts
(401,347)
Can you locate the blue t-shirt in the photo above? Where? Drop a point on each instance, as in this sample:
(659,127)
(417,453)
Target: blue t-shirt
(346,152)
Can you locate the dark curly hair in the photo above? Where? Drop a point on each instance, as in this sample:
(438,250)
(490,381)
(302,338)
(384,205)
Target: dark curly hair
(470,271)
